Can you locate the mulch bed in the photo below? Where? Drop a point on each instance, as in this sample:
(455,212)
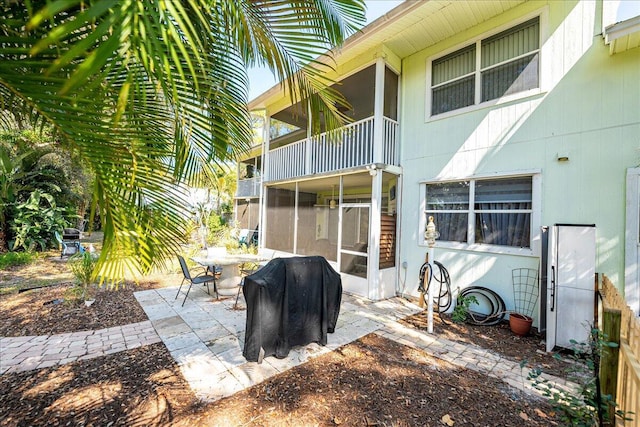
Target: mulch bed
(530,350)
(48,311)
(136,387)
(373,381)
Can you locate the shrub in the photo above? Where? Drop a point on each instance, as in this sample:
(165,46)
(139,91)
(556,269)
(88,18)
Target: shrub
(461,311)
(11,259)
(36,222)
(584,407)
(82,266)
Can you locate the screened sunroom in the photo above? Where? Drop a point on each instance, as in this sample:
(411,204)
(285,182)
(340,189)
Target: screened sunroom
(332,196)
(349,219)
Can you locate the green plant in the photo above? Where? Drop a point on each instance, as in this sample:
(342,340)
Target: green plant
(36,221)
(83,267)
(11,259)
(215,224)
(585,406)
(150,106)
(30,162)
(461,311)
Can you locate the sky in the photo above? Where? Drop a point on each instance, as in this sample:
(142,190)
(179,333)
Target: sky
(261,79)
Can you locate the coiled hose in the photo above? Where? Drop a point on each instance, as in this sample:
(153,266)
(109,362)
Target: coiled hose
(498,308)
(442,299)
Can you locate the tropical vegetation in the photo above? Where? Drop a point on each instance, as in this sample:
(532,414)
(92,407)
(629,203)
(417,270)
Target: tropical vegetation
(43,189)
(151,95)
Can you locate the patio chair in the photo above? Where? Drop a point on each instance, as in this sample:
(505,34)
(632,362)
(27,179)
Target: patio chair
(202,278)
(72,234)
(68,247)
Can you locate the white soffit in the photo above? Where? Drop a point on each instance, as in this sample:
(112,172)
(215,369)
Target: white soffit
(407,29)
(623,35)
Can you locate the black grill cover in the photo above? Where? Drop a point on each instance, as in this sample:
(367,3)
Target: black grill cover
(290,301)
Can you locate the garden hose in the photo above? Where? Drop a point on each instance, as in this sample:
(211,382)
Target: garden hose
(498,308)
(442,298)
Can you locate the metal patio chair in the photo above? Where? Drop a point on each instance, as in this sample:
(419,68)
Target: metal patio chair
(68,247)
(202,278)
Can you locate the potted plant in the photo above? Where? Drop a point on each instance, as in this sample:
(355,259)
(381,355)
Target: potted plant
(525,290)
(520,324)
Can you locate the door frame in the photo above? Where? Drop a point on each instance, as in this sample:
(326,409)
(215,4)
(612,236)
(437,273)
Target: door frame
(552,289)
(632,241)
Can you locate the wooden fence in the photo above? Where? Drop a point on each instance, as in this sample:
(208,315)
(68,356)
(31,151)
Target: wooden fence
(627,386)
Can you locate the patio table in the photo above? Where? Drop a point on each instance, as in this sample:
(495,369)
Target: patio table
(228,283)
(231,259)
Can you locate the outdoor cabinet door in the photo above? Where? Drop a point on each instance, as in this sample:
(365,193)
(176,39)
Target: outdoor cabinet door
(551,289)
(576,255)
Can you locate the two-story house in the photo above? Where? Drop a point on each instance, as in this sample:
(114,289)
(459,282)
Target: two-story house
(495,117)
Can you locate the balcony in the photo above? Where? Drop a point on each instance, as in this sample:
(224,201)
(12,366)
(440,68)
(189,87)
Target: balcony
(321,154)
(248,188)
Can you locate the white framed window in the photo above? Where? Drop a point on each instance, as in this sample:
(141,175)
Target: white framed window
(490,68)
(498,213)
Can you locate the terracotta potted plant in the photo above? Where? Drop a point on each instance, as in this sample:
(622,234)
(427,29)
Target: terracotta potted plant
(525,289)
(519,323)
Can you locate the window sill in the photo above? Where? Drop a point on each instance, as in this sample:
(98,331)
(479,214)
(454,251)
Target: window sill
(491,249)
(511,99)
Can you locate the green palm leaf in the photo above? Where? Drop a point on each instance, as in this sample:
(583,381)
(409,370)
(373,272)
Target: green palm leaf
(153,94)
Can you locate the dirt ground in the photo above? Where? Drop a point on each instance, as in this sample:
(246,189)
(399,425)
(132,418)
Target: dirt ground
(370,382)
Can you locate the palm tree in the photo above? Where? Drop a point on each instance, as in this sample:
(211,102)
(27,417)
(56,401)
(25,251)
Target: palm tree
(151,93)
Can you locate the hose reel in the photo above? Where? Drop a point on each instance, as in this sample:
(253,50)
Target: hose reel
(442,295)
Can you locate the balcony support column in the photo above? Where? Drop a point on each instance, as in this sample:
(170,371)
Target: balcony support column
(378,112)
(266,134)
(307,157)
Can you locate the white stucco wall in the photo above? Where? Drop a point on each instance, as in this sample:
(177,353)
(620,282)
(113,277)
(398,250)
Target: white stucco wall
(588,109)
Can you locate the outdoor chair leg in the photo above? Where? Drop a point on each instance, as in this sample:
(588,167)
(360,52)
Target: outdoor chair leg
(181,283)
(185,297)
(239,289)
(215,288)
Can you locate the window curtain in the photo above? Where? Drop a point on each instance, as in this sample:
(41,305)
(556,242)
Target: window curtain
(453,198)
(500,228)
(451,226)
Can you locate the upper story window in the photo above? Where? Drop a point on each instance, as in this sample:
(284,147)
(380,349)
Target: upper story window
(494,211)
(503,64)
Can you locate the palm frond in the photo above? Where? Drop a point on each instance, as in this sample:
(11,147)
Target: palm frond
(153,94)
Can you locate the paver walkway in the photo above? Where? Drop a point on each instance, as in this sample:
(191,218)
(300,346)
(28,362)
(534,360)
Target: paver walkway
(206,338)
(34,352)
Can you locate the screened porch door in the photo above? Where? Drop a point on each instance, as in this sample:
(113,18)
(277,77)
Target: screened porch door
(354,246)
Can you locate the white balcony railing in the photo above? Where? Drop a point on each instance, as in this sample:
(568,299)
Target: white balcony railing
(324,153)
(390,149)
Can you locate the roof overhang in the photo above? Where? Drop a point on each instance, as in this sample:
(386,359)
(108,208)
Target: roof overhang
(623,35)
(409,28)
